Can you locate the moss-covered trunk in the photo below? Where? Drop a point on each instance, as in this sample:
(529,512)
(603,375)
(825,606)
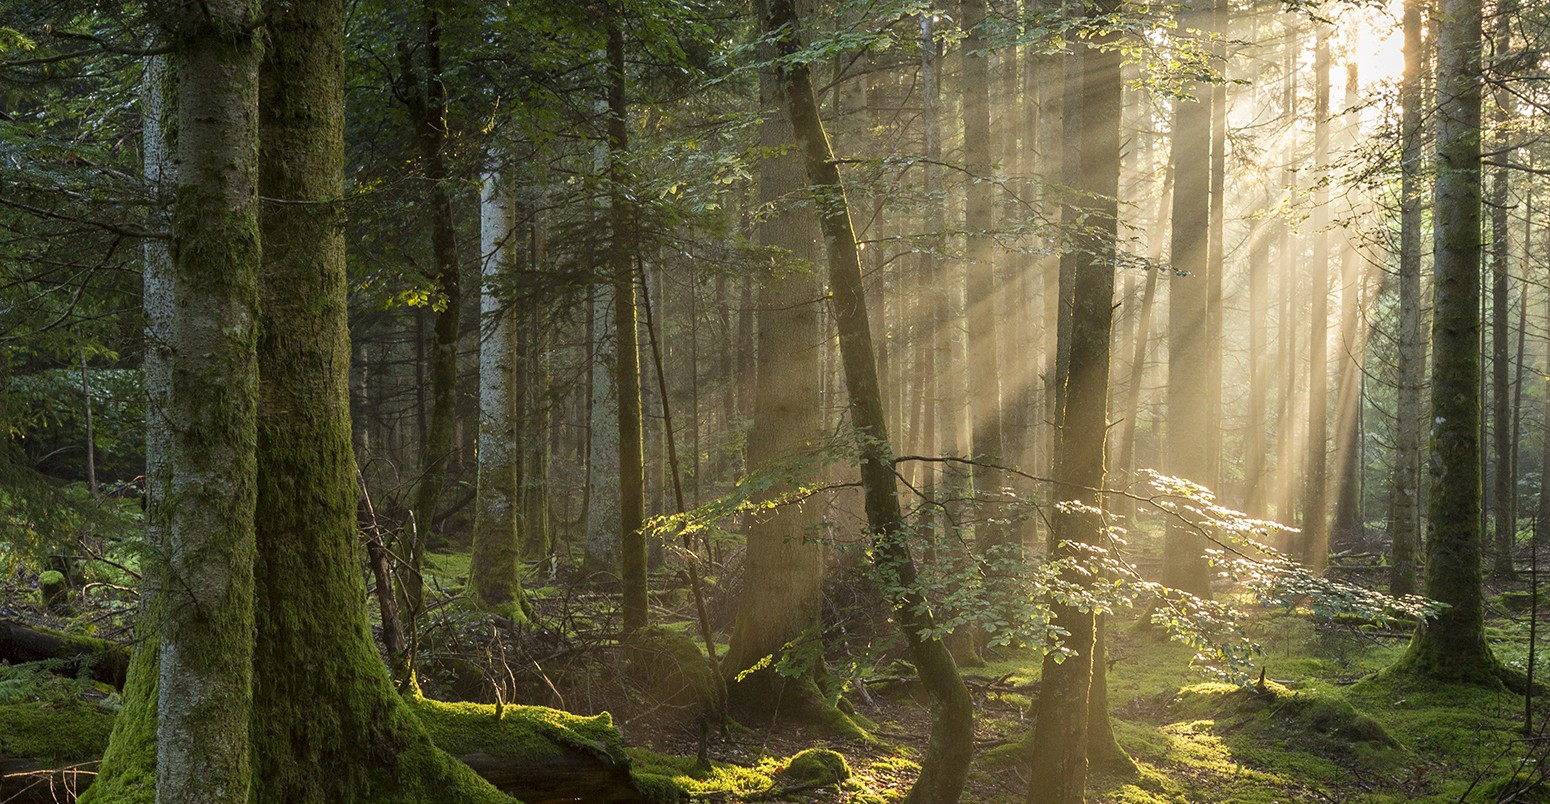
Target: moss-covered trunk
(783,570)
(1452,646)
(206,616)
(945,765)
(1092,122)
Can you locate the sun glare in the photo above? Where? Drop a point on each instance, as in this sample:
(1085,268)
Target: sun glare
(1378,44)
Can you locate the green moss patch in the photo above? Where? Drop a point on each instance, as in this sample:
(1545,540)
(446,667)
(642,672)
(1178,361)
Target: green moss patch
(54,733)
(815,767)
(668,778)
(516,731)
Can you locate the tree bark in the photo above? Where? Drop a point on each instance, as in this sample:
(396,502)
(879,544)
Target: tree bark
(1404,527)
(1452,646)
(1315,513)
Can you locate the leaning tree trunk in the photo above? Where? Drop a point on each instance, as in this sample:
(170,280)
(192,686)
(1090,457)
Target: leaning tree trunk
(1452,645)
(206,618)
(1093,106)
(945,765)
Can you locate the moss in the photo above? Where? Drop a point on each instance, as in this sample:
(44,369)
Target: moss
(519,731)
(128,771)
(815,767)
(671,778)
(54,733)
(52,590)
(675,672)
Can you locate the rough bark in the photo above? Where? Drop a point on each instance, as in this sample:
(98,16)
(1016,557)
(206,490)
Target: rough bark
(1452,646)
(945,764)
(206,619)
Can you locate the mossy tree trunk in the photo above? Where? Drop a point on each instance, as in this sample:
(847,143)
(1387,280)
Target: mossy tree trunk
(206,616)
(945,765)
(1452,646)
(783,571)
(495,568)
(328,724)
(1092,121)
(1189,409)
(1404,525)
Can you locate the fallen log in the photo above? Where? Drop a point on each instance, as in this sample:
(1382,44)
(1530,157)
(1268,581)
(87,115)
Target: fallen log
(106,661)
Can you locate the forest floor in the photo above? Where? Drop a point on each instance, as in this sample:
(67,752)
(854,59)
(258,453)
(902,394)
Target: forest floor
(1327,725)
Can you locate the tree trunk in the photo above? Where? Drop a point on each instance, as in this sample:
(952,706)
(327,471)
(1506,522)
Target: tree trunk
(621,260)
(1452,646)
(495,567)
(1346,530)
(427,102)
(206,671)
(1504,490)
(1404,527)
(945,765)
(1315,517)
(783,572)
(1189,403)
(1062,736)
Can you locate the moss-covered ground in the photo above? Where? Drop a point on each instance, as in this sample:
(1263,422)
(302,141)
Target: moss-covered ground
(1331,721)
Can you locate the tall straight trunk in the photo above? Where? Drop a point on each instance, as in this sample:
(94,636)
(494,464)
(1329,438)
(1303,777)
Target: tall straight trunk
(980,305)
(1061,741)
(1315,518)
(783,591)
(1048,69)
(203,746)
(494,571)
(328,724)
(427,99)
(1288,254)
(1542,512)
(1347,528)
(128,770)
(1255,443)
(945,765)
(621,261)
(1452,645)
(1189,376)
(1130,407)
(1504,490)
(1405,526)
(1216,262)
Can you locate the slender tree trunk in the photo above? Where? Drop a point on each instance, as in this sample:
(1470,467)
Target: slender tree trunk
(495,567)
(1452,645)
(1062,736)
(1405,530)
(621,259)
(1347,528)
(945,765)
(1216,262)
(1189,377)
(1504,480)
(1315,519)
(427,101)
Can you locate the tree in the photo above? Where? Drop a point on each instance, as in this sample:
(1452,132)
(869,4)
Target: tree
(495,567)
(1315,509)
(782,590)
(945,766)
(1405,522)
(207,614)
(1062,738)
(1189,406)
(1452,646)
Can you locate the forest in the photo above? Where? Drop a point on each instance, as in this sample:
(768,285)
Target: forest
(774,400)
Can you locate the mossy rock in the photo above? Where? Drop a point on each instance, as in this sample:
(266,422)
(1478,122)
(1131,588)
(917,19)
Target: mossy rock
(1320,714)
(815,767)
(53,589)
